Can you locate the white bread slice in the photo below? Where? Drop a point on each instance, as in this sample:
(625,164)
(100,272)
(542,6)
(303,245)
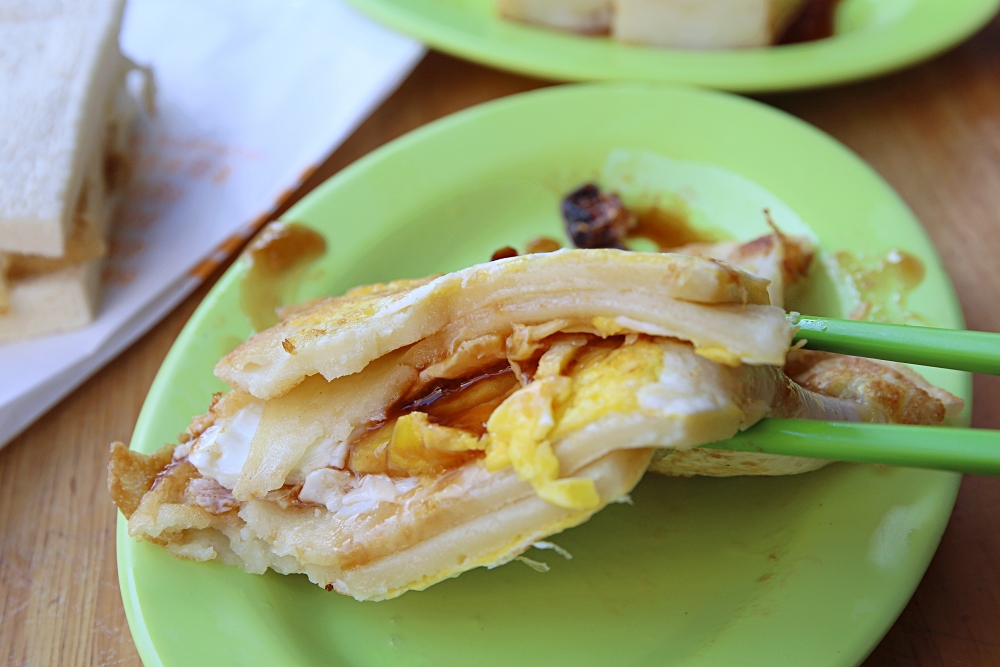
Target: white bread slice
(59,65)
(583,16)
(702,24)
(41,295)
(52,302)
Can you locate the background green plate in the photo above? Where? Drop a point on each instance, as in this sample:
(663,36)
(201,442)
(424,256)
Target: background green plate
(872,37)
(803,570)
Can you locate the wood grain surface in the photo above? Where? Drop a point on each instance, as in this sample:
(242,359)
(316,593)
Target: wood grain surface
(932,131)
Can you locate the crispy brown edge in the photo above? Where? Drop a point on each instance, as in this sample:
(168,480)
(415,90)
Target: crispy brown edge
(131,474)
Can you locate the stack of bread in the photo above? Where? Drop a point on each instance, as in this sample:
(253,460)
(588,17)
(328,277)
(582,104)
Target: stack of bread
(66,117)
(700,24)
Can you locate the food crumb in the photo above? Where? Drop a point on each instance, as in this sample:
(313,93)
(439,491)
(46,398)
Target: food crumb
(503,253)
(535,565)
(542,244)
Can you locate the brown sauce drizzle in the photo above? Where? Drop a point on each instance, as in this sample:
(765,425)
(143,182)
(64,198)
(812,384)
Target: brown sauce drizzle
(276,260)
(464,403)
(815,21)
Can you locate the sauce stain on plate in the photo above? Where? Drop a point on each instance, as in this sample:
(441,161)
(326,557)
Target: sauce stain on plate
(879,285)
(276,261)
(668,229)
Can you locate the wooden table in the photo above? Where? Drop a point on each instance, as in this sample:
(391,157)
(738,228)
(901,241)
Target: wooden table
(933,132)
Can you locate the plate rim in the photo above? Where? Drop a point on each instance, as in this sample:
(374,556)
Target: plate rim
(459,43)
(126,546)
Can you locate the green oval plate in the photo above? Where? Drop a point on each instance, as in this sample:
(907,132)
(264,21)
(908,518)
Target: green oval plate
(872,37)
(803,570)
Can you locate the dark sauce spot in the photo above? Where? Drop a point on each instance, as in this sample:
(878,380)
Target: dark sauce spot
(595,219)
(815,21)
(503,253)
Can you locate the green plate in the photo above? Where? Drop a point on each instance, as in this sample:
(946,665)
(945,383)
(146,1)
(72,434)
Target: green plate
(872,37)
(803,570)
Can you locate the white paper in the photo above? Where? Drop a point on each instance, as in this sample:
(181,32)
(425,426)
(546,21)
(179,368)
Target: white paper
(250,95)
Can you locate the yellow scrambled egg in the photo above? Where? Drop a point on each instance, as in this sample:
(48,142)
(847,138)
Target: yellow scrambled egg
(603,380)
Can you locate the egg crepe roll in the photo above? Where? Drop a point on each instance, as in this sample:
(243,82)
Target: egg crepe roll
(406,432)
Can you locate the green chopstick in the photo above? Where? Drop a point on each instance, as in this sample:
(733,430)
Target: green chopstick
(974,451)
(964,450)
(972,351)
